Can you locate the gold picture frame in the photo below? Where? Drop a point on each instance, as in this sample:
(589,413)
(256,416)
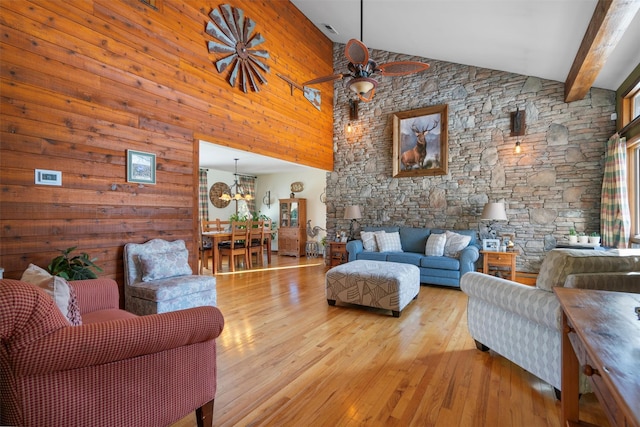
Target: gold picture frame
(420,142)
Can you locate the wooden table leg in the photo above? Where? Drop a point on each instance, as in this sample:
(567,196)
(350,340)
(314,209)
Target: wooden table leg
(216,255)
(569,380)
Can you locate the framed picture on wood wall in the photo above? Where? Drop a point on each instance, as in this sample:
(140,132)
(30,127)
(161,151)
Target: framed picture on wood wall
(141,167)
(420,142)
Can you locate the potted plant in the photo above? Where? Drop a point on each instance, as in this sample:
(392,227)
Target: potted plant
(78,267)
(594,238)
(583,238)
(573,236)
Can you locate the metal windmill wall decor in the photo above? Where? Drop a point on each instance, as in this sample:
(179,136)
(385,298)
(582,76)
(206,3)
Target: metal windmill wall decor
(235,37)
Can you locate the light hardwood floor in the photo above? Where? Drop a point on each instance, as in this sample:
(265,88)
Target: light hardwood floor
(286,358)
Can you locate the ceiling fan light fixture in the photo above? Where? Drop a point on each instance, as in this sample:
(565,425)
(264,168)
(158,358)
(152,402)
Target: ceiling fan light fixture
(362,85)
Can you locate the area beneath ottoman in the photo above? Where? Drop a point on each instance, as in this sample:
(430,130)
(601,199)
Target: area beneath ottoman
(386,285)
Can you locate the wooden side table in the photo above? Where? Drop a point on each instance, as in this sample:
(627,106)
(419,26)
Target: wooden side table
(499,259)
(337,253)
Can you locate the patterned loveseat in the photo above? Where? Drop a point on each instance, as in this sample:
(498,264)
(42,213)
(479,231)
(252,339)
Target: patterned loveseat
(522,323)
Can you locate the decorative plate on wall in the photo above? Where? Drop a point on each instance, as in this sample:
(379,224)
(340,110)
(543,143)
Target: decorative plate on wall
(297,187)
(216,191)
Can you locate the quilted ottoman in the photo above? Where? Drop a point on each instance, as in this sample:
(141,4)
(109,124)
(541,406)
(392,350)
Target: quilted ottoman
(387,285)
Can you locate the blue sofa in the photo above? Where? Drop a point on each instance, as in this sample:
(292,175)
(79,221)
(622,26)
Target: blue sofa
(435,270)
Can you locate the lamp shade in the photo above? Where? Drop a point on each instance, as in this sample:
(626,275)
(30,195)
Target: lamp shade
(494,212)
(352,212)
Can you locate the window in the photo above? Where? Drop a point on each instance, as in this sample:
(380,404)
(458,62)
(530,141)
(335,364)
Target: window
(633,171)
(628,107)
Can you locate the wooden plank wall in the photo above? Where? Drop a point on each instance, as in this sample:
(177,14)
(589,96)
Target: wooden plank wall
(82,81)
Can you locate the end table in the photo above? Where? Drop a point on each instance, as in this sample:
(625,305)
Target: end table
(337,253)
(499,259)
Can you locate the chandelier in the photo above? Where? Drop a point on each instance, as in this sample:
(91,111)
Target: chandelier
(236,192)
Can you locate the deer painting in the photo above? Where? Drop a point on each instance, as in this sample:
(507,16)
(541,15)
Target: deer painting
(418,153)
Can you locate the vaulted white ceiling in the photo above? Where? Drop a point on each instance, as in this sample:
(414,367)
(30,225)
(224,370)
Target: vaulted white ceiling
(531,37)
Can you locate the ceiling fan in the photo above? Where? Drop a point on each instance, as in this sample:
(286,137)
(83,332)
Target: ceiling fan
(362,68)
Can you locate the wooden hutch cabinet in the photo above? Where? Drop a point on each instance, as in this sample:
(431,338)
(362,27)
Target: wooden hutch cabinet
(292,227)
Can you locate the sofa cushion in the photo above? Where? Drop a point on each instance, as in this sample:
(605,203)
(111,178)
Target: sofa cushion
(172,288)
(161,265)
(440,262)
(435,245)
(58,289)
(559,263)
(405,257)
(389,242)
(455,243)
(414,239)
(372,256)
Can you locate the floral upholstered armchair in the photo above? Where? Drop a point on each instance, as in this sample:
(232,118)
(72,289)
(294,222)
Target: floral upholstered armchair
(158,278)
(115,368)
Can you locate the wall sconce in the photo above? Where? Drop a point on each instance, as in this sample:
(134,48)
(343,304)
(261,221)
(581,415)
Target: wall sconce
(353,114)
(518,126)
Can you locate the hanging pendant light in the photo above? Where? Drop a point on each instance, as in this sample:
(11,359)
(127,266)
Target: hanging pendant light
(236,192)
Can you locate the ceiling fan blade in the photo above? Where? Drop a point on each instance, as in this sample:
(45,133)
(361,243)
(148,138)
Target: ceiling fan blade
(402,68)
(356,52)
(323,79)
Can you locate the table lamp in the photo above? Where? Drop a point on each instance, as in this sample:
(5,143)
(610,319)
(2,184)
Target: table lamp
(353,213)
(493,212)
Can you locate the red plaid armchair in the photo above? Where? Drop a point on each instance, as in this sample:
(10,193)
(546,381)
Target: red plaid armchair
(116,369)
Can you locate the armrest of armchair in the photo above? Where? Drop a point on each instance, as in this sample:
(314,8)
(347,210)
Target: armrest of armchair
(111,341)
(533,303)
(354,247)
(618,282)
(96,294)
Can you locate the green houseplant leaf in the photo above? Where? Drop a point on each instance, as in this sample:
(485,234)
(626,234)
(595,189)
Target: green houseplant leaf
(78,267)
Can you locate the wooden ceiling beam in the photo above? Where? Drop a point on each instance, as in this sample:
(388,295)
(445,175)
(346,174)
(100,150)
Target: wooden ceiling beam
(608,23)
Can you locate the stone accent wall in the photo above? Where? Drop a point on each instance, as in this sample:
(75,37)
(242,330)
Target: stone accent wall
(553,185)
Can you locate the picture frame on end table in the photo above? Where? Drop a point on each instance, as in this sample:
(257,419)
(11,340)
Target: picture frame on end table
(490,245)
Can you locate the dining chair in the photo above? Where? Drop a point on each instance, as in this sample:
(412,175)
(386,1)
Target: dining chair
(237,245)
(267,238)
(205,246)
(255,241)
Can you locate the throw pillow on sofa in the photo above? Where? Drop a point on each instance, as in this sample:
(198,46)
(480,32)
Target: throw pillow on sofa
(58,288)
(369,241)
(389,242)
(435,245)
(455,243)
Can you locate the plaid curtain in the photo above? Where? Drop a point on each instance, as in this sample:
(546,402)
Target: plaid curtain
(204,196)
(614,215)
(248,184)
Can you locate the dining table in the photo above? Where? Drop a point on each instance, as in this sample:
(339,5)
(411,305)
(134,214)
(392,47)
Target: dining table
(223,236)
